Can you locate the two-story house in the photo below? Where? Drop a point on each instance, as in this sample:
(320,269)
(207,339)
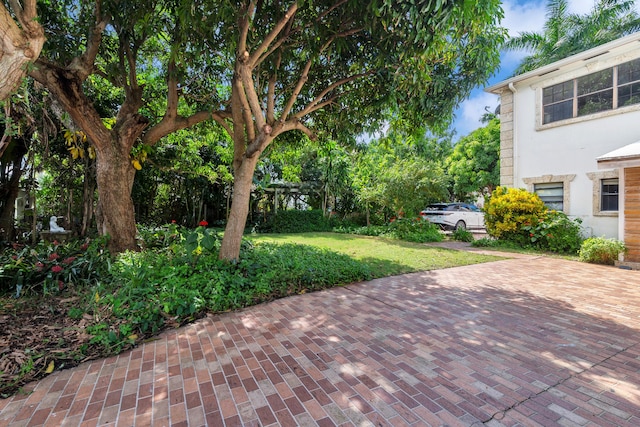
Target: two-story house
(570,131)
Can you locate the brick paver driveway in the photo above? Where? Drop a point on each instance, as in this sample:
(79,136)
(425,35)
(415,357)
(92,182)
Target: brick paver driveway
(529,341)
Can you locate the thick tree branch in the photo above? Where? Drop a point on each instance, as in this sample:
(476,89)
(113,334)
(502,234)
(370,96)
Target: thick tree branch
(314,105)
(251,98)
(170,124)
(244,24)
(294,96)
(273,34)
(84,64)
(172,90)
(296,125)
(271,91)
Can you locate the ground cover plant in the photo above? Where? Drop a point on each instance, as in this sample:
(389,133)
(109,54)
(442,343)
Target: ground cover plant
(406,229)
(97,305)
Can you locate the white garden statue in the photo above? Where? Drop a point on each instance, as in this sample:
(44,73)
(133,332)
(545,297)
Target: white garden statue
(53,225)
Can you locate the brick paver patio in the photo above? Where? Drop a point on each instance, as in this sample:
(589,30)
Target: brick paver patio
(527,341)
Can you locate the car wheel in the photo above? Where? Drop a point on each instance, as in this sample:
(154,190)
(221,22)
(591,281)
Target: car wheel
(460,225)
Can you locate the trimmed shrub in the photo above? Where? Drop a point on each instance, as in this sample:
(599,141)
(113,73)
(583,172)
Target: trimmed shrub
(600,250)
(295,221)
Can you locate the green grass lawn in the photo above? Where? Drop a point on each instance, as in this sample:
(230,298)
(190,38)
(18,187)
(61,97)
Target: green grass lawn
(384,256)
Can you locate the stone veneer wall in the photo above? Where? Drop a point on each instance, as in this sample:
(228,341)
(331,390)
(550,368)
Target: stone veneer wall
(506,139)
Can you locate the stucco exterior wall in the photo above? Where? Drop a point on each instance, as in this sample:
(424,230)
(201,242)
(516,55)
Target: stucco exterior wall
(570,149)
(565,151)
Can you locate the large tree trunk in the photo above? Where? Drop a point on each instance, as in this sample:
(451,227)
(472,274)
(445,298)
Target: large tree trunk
(114,176)
(10,187)
(230,248)
(18,46)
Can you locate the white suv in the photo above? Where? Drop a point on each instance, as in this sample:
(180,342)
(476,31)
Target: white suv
(451,216)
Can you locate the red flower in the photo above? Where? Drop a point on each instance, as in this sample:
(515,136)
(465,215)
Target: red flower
(54,256)
(173,221)
(203,223)
(69,260)
(84,247)
(39,265)
(392,219)
(60,285)
(530,234)
(56,243)
(14,257)
(56,269)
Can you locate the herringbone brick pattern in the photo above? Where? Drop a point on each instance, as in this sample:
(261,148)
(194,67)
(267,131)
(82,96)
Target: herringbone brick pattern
(520,342)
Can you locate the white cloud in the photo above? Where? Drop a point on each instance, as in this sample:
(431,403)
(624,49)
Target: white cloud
(471,111)
(520,17)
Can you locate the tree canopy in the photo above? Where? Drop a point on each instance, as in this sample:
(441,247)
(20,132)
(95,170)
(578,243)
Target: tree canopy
(130,73)
(474,165)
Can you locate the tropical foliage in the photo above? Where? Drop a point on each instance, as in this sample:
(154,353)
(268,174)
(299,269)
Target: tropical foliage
(565,34)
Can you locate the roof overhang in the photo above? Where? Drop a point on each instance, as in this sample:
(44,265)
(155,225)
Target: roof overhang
(621,44)
(624,157)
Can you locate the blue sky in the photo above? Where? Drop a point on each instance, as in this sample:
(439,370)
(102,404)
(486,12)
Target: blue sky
(520,15)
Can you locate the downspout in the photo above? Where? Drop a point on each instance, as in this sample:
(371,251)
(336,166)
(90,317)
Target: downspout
(514,138)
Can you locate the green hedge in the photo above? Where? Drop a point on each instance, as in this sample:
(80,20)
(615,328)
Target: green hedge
(295,221)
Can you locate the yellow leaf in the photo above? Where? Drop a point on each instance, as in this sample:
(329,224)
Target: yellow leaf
(50,368)
(97,297)
(92,153)
(74,152)
(136,164)
(133,337)
(81,152)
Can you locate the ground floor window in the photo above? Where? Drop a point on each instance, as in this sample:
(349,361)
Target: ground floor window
(551,193)
(609,194)
(605,192)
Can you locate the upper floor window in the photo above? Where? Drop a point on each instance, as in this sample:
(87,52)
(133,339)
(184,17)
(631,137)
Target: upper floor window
(600,91)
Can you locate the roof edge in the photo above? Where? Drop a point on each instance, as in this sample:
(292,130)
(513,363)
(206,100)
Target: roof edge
(587,54)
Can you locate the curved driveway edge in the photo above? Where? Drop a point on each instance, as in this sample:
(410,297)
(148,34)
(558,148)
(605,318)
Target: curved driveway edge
(528,341)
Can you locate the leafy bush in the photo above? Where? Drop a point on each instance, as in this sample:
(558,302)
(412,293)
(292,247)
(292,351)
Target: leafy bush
(295,221)
(600,250)
(411,230)
(371,230)
(520,217)
(49,267)
(462,235)
(554,231)
(509,210)
(415,230)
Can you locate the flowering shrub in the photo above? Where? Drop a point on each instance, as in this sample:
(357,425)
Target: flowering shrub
(509,210)
(520,217)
